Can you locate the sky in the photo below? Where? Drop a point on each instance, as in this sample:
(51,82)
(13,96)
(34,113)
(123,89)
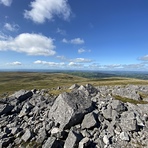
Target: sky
(74,34)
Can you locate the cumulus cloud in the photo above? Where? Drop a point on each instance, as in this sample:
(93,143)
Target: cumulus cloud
(81,60)
(14,63)
(50,64)
(48,9)
(144,58)
(11,27)
(6,2)
(31,44)
(74,41)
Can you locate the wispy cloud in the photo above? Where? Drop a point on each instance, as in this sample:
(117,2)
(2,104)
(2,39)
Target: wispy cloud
(82,50)
(81,60)
(50,64)
(61,31)
(65,41)
(48,9)
(144,58)
(31,44)
(75,60)
(6,2)
(4,36)
(134,66)
(62,58)
(112,66)
(73,64)
(14,63)
(77,41)
(11,27)
(74,41)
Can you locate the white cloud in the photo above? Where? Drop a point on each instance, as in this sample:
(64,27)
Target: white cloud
(61,31)
(144,58)
(73,64)
(81,60)
(50,64)
(95,66)
(48,9)
(62,58)
(112,66)
(134,66)
(31,44)
(74,41)
(4,36)
(15,63)
(11,27)
(81,50)
(77,41)
(6,2)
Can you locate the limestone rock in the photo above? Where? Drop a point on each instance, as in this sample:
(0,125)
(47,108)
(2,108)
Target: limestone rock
(27,135)
(89,121)
(84,142)
(5,108)
(124,136)
(74,86)
(72,139)
(128,121)
(106,139)
(22,95)
(69,109)
(50,143)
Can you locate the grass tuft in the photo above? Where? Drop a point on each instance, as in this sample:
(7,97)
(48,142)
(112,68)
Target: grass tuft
(124,99)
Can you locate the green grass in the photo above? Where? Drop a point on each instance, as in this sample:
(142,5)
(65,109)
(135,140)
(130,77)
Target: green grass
(14,81)
(124,99)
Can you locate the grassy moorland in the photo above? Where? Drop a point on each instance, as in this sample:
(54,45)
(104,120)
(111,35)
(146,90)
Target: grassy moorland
(14,81)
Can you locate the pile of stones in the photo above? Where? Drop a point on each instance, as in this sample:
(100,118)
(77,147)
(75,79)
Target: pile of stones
(87,117)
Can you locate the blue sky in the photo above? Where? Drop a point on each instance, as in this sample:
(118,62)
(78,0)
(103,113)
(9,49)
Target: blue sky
(74,34)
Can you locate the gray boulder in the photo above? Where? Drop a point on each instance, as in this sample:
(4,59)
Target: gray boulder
(69,109)
(5,108)
(22,95)
(26,109)
(124,136)
(128,121)
(118,106)
(89,121)
(27,135)
(50,143)
(72,140)
(74,86)
(127,92)
(84,142)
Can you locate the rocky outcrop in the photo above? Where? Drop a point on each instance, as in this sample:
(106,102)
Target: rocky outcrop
(86,117)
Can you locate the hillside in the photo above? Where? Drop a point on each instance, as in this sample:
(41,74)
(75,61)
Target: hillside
(14,81)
